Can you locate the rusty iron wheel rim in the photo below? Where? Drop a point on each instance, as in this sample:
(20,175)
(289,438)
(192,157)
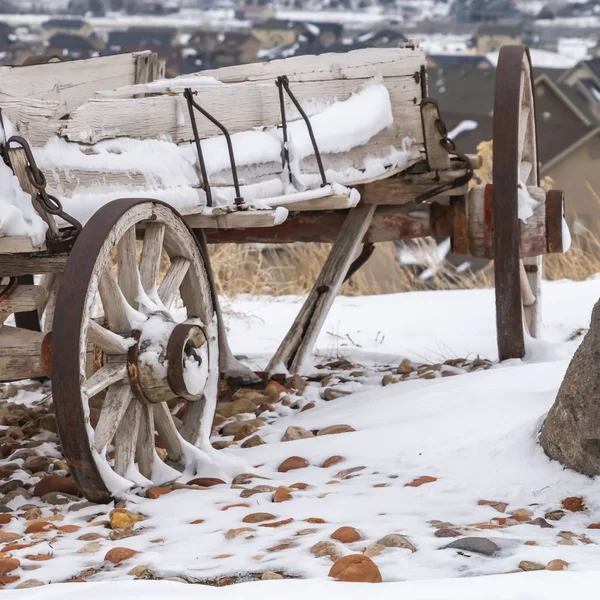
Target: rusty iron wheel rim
(513,77)
(71,331)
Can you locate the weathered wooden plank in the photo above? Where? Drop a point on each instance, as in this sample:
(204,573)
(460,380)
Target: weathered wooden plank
(294,350)
(173,279)
(114,406)
(12,265)
(151,255)
(17,244)
(357,64)
(20,354)
(144,453)
(437,158)
(35,120)
(240,107)
(105,377)
(24,298)
(127,266)
(70,83)
(235,220)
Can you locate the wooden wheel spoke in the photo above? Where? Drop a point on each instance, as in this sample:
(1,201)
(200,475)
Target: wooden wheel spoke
(128,269)
(115,405)
(108,341)
(113,303)
(145,441)
(151,255)
(173,280)
(105,377)
(126,437)
(523,130)
(167,431)
(525,168)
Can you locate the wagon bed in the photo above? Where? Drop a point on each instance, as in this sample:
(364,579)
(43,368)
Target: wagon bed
(341,148)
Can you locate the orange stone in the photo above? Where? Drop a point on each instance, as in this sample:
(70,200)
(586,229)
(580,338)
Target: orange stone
(557,565)
(522,515)
(421,481)
(9,564)
(6,537)
(277,523)
(332,460)
(38,526)
(117,555)
(315,520)
(242,505)
(4,579)
(282,494)
(11,547)
(157,492)
(355,568)
(69,528)
(39,557)
(346,535)
(307,407)
(574,504)
(594,526)
(300,486)
(499,506)
(206,481)
(258,517)
(280,547)
(292,463)
(197,522)
(5,518)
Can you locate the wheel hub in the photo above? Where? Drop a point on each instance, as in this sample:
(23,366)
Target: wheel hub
(168,360)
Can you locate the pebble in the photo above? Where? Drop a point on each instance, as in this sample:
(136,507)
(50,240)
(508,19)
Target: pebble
(206,481)
(355,568)
(330,549)
(445,532)
(233,533)
(282,494)
(527,565)
(346,535)
(395,540)
(555,515)
(479,545)
(258,517)
(121,518)
(29,583)
(333,429)
(421,481)
(292,463)
(156,492)
(373,550)
(557,565)
(253,441)
(574,504)
(56,483)
(9,564)
(257,489)
(332,460)
(118,555)
(270,576)
(296,433)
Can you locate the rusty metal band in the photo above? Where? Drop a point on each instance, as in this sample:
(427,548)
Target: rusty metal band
(133,372)
(555,210)
(175,349)
(365,254)
(66,343)
(507,107)
(9,288)
(286,150)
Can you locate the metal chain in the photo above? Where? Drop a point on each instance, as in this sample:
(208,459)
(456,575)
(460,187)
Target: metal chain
(47,202)
(449,146)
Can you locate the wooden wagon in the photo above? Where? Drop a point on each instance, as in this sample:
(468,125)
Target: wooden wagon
(123,315)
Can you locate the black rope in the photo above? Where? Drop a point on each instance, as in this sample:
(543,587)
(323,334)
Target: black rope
(284,82)
(193,104)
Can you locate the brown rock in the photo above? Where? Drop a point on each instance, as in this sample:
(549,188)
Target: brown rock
(206,481)
(270,576)
(38,526)
(240,505)
(345,473)
(246,478)
(405,367)
(308,406)
(346,535)
(282,494)
(499,506)
(5,518)
(421,481)
(292,463)
(276,524)
(574,504)
(445,532)
(118,555)
(315,520)
(355,568)
(245,431)
(274,390)
(295,382)
(257,489)
(373,550)
(332,460)
(253,441)
(555,515)
(121,518)
(90,537)
(329,549)
(522,515)
(395,540)
(233,533)
(157,492)
(333,429)
(9,564)
(557,565)
(334,394)
(6,537)
(296,433)
(258,517)
(527,565)
(29,583)
(56,483)
(300,486)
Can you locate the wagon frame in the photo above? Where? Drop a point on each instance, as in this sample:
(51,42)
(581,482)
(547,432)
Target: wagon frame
(108,358)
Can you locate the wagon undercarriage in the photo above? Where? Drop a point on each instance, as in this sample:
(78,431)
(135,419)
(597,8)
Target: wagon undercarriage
(126,319)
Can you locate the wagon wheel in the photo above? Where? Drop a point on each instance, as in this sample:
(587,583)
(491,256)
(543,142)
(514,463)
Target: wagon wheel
(150,355)
(518,282)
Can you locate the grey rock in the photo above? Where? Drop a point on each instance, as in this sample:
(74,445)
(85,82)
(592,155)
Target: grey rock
(16,493)
(479,545)
(80,506)
(5,509)
(571,431)
(59,498)
(11,486)
(540,522)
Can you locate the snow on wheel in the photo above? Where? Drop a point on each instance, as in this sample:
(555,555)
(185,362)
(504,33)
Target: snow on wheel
(515,166)
(130,347)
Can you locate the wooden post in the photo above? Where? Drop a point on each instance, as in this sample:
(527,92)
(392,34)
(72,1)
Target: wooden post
(296,348)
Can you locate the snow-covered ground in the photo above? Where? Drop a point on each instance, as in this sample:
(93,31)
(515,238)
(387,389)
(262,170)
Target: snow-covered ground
(472,435)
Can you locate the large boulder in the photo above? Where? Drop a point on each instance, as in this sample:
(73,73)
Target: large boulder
(571,431)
